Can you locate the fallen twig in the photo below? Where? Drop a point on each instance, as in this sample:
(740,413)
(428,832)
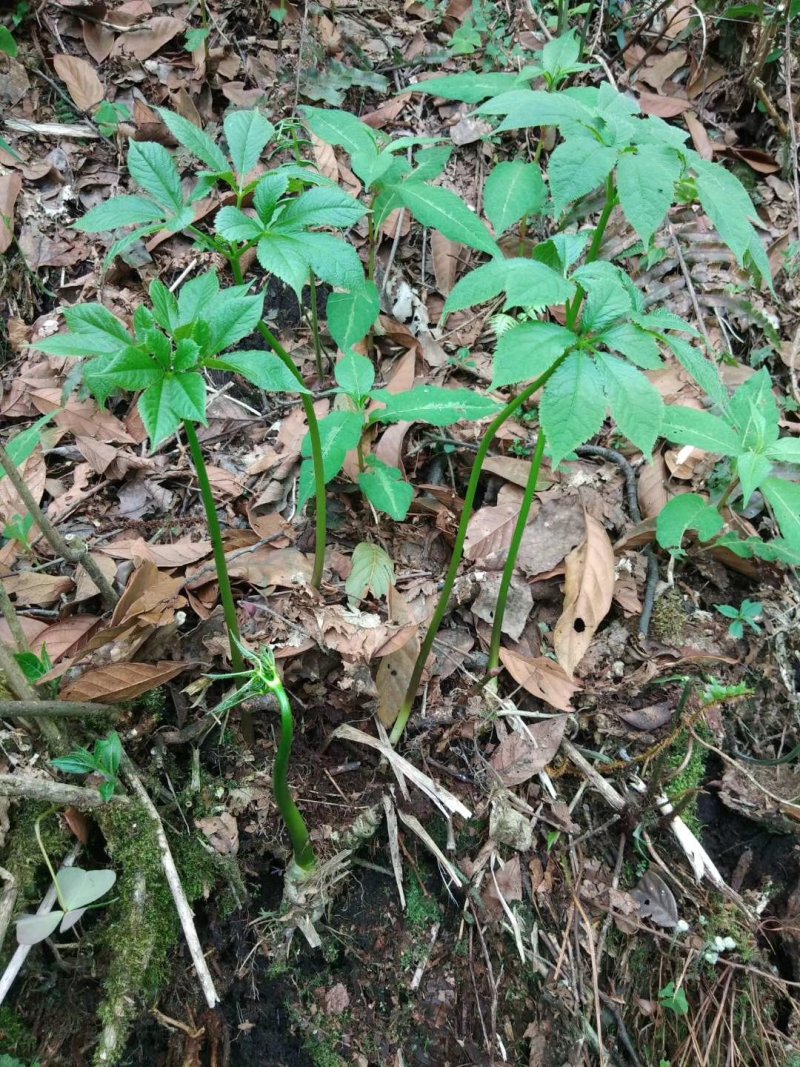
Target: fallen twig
(175,887)
(70,796)
(53,709)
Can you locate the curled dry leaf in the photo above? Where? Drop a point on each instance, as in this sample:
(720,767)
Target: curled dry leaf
(121,681)
(520,756)
(541,677)
(588,590)
(489,532)
(81,81)
(446,255)
(652,487)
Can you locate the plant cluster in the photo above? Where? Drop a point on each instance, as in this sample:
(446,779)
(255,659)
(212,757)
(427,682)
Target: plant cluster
(576,341)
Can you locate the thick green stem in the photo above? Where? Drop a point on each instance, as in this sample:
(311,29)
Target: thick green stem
(513,552)
(458,548)
(295,824)
(313,435)
(225,591)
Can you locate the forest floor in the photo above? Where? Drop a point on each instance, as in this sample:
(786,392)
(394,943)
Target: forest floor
(562,922)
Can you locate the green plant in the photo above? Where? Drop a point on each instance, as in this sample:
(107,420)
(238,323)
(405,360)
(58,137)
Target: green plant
(673,999)
(8,45)
(746,615)
(609,156)
(746,428)
(103,761)
(109,115)
(262,679)
(163,359)
(76,891)
(36,667)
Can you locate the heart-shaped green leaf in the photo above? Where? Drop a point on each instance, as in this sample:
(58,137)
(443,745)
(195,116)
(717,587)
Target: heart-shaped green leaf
(79,888)
(31,929)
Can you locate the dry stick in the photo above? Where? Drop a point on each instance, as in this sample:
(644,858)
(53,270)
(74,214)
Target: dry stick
(175,887)
(11,617)
(76,553)
(67,796)
(54,709)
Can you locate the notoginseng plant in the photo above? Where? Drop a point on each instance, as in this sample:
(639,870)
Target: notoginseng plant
(76,892)
(172,344)
(260,680)
(291,205)
(586,358)
(745,429)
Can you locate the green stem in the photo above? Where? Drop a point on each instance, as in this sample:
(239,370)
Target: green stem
(313,434)
(513,552)
(458,548)
(295,824)
(312,285)
(43,850)
(594,248)
(225,591)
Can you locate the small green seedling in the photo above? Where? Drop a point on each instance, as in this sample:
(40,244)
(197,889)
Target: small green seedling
(104,761)
(36,667)
(673,999)
(262,679)
(109,115)
(746,615)
(18,529)
(76,891)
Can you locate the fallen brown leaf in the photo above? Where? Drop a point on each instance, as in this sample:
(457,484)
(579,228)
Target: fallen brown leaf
(81,81)
(588,590)
(541,677)
(10,186)
(121,681)
(519,757)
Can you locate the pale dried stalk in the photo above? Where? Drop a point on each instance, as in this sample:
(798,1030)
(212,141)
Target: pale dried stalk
(175,887)
(68,796)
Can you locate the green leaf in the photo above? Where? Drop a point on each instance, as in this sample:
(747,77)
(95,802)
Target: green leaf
(130,370)
(606,302)
(512,191)
(352,315)
(727,203)
(321,206)
(578,166)
(262,368)
(93,320)
(267,194)
(31,929)
(153,169)
(79,761)
(165,306)
(165,405)
(341,128)
(638,345)
(247,134)
(430,162)
(526,107)
(187,354)
(372,571)
(386,489)
(79,888)
(755,412)
(108,753)
(525,282)
(786,450)
(194,40)
(752,468)
(434,405)
(194,139)
(340,432)
(195,295)
(703,371)
(560,56)
(119,211)
(232,224)
(784,499)
(442,210)
(528,350)
(8,45)
(573,405)
(291,256)
(355,374)
(700,429)
(230,318)
(468,88)
(686,512)
(24,444)
(636,405)
(645,183)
